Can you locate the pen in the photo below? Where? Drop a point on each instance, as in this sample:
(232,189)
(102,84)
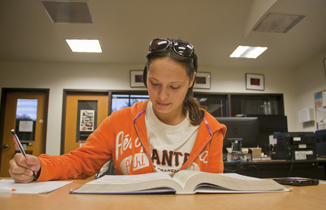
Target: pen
(6,189)
(20,147)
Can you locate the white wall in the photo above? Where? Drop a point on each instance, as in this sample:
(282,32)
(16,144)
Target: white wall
(59,76)
(309,79)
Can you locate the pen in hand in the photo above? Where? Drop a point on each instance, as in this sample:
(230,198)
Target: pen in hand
(21,149)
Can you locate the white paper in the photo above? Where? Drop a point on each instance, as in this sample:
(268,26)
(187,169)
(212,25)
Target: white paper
(324,99)
(272,140)
(33,187)
(320,115)
(25,126)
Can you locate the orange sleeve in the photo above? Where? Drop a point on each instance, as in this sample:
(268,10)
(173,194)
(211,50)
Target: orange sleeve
(215,161)
(84,161)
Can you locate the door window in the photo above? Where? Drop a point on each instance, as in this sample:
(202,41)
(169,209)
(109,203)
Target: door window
(26,115)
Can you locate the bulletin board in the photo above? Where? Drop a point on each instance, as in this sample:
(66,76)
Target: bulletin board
(320,107)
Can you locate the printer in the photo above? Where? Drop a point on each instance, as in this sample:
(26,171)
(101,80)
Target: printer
(294,146)
(321,142)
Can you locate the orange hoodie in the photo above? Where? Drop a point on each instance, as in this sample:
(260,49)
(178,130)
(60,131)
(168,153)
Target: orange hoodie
(122,137)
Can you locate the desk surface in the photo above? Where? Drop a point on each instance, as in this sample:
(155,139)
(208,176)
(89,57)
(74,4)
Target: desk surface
(308,197)
(317,160)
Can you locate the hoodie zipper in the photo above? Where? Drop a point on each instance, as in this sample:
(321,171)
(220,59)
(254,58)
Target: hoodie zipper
(198,153)
(211,136)
(146,151)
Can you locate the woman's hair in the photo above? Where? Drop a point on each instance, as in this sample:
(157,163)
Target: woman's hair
(190,104)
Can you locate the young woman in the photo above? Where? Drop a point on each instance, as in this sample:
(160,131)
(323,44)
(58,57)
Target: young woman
(168,133)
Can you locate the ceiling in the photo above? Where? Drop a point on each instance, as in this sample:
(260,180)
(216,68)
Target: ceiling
(125,28)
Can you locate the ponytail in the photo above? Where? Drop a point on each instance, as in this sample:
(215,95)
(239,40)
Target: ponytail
(190,104)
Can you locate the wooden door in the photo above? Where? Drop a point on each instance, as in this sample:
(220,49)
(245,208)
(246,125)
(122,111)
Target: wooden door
(34,146)
(73,117)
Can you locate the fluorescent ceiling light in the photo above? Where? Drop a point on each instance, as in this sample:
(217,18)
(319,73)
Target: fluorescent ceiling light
(247,52)
(84,45)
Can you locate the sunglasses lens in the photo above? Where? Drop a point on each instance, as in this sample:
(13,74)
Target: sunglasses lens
(159,44)
(180,47)
(183,48)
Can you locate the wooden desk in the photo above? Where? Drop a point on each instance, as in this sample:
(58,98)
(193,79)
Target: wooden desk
(280,168)
(310,197)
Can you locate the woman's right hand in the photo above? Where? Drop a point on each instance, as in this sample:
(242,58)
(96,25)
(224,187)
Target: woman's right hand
(21,168)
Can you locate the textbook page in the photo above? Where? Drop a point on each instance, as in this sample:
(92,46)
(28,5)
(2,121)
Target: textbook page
(208,189)
(201,182)
(131,184)
(32,187)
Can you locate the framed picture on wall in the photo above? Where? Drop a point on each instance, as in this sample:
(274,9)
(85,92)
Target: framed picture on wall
(203,80)
(255,82)
(136,78)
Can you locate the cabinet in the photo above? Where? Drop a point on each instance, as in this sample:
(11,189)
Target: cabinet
(257,104)
(232,105)
(215,104)
(269,108)
(218,104)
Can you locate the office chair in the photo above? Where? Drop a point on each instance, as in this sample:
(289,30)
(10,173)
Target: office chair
(107,169)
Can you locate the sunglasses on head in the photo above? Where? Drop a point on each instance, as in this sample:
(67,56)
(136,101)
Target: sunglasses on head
(181,48)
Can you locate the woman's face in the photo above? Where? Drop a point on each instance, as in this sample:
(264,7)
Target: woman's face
(167,83)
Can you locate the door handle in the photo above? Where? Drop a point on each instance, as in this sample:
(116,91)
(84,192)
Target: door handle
(6,146)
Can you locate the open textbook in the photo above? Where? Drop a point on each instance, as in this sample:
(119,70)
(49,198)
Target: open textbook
(183,182)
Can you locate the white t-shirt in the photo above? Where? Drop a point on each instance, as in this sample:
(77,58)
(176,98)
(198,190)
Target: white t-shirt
(170,146)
